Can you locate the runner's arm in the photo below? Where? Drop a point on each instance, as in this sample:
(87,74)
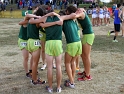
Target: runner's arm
(35,21)
(119,15)
(23,22)
(47,24)
(28,16)
(52,14)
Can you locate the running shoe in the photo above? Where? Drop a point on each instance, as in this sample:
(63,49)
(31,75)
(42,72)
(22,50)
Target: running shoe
(85,78)
(71,85)
(29,75)
(43,67)
(115,40)
(39,81)
(54,65)
(49,90)
(59,90)
(81,73)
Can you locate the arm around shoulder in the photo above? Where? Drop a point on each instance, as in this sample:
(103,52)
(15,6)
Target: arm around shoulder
(23,22)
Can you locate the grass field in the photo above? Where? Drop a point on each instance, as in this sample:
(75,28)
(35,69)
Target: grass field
(107,65)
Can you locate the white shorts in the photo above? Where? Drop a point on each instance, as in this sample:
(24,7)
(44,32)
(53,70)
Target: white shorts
(94,15)
(104,16)
(101,16)
(97,15)
(107,16)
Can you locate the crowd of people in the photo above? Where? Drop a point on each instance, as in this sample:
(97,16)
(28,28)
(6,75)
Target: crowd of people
(41,33)
(100,15)
(54,4)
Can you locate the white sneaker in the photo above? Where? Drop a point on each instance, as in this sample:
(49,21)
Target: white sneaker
(59,90)
(49,90)
(43,67)
(54,65)
(71,85)
(115,40)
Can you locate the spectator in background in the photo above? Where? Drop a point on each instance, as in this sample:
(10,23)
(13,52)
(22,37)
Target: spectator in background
(20,4)
(91,6)
(77,4)
(29,7)
(3,7)
(41,2)
(65,3)
(30,3)
(113,8)
(58,4)
(61,3)
(74,4)
(49,7)
(55,1)
(23,3)
(11,9)
(52,4)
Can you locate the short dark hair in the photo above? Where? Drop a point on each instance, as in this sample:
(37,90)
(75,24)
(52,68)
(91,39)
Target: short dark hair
(62,12)
(40,12)
(118,5)
(71,9)
(123,4)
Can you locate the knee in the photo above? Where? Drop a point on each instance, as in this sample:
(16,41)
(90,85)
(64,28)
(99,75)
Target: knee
(26,58)
(84,56)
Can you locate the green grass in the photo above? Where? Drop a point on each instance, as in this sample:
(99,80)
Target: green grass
(105,44)
(9,39)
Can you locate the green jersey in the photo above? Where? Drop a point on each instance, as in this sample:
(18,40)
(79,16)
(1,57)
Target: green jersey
(70,29)
(86,25)
(33,31)
(23,33)
(53,32)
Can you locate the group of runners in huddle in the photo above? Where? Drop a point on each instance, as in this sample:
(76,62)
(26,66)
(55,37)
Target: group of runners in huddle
(43,31)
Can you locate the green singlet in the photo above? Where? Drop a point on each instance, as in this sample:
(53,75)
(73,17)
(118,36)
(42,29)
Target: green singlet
(32,31)
(23,33)
(70,29)
(86,25)
(53,32)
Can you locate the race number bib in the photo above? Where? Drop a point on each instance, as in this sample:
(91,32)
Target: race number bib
(24,44)
(37,43)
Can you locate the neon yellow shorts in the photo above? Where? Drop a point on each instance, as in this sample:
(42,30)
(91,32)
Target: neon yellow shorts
(42,36)
(74,49)
(88,38)
(22,44)
(33,45)
(53,47)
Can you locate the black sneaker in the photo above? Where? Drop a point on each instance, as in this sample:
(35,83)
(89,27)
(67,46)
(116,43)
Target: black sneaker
(29,75)
(39,81)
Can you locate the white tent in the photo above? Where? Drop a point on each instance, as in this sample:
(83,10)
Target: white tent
(106,1)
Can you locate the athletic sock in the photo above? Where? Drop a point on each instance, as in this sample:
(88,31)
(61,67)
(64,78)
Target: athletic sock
(114,37)
(30,71)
